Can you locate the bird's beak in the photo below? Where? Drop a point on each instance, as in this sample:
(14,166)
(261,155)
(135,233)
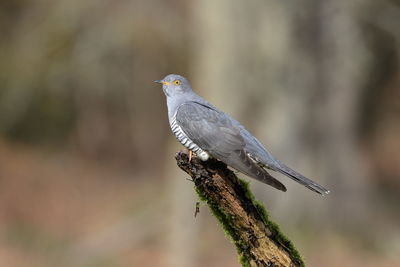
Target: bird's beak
(162,82)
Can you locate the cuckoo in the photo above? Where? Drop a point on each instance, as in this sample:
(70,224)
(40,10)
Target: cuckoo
(209,132)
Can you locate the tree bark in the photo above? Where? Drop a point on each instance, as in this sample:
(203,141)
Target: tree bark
(259,241)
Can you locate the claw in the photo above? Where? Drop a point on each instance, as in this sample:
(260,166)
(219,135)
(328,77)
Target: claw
(190,155)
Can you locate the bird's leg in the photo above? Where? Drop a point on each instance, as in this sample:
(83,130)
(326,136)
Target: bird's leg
(190,155)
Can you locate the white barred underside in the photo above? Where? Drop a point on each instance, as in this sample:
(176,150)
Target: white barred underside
(185,141)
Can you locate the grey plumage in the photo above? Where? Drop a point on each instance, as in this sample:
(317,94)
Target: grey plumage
(207,131)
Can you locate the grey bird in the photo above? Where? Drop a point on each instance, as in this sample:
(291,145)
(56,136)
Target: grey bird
(209,132)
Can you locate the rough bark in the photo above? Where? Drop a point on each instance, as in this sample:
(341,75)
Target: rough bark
(259,241)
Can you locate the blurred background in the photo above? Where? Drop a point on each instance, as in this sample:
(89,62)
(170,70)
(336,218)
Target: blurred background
(87,169)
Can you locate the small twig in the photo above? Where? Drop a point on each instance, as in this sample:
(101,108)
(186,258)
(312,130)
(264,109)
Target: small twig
(197,209)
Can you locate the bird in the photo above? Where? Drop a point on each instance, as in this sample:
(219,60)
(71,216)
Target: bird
(210,133)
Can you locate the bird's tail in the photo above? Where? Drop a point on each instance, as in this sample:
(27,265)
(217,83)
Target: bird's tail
(302,179)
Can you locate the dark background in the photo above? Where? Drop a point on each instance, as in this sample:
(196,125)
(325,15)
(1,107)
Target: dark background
(87,169)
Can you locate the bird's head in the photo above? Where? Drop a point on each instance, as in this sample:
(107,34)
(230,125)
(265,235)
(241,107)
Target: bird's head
(174,84)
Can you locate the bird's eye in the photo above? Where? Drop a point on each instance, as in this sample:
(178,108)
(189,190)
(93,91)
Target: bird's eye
(177,82)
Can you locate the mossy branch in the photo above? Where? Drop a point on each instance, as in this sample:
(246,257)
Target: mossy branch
(259,241)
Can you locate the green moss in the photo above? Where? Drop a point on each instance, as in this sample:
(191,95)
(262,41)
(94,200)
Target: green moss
(244,260)
(225,221)
(230,231)
(200,194)
(279,236)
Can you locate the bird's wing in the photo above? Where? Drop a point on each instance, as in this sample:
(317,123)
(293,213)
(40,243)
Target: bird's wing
(214,132)
(210,129)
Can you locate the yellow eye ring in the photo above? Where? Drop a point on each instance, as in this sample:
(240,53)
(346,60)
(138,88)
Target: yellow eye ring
(177,82)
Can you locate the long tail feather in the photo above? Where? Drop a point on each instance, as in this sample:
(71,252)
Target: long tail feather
(302,179)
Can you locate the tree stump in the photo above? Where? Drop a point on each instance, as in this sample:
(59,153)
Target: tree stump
(259,241)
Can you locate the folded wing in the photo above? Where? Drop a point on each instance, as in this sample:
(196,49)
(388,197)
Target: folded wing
(214,132)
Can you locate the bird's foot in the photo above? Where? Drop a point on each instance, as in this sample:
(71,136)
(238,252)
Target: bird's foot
(190,155)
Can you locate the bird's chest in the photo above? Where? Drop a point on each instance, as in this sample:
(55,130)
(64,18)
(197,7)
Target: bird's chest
(185,140)
(181,136)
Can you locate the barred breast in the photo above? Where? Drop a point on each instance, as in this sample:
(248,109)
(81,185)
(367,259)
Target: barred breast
(185,141)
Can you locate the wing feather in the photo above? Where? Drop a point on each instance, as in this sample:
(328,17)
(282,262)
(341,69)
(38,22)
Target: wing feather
(215,132)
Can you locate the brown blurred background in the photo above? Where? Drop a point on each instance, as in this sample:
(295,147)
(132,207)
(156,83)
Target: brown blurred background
(87,170)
